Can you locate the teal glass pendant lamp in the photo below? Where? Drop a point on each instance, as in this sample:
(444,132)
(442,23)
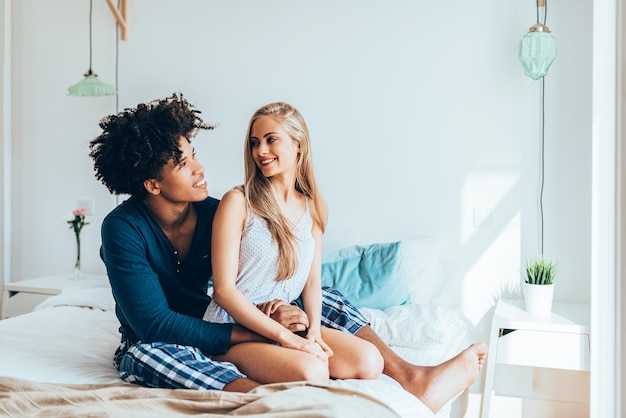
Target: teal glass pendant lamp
(537,49)
(91,84)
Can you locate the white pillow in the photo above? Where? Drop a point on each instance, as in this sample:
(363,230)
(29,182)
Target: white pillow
(427,269)
(95,298)
(422,334)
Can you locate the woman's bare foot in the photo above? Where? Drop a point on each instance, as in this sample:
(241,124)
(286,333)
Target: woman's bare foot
(436,385)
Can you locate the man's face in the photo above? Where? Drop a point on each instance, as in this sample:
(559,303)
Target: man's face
(183,182)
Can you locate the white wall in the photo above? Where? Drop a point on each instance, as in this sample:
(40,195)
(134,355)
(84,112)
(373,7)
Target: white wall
(419,113)
(608,293)
(5,144)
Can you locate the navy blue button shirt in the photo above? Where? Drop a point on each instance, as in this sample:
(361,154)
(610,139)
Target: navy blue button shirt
(160,298)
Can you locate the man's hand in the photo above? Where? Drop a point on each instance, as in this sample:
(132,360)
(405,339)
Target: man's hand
(289,316)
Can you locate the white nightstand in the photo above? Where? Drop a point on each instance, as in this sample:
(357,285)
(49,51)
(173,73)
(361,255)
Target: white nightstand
(559,340)
(21,297)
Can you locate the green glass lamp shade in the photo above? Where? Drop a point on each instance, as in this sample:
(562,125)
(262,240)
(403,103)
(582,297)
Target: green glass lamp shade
(537,51)
(91,86)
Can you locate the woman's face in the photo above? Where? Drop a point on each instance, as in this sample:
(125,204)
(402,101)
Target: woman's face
(272,148)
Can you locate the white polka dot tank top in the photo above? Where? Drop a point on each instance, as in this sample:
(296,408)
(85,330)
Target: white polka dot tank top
(258,265)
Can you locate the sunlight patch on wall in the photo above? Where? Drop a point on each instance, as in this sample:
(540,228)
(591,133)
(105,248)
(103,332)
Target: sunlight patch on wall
(490,240)
(494,272)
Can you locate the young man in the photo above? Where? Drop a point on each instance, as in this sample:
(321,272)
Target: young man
(157,250)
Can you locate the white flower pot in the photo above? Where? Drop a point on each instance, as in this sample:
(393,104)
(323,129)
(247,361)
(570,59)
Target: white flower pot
(538,298)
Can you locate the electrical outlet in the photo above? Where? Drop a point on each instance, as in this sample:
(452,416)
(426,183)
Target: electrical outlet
(483,217)
(88,204)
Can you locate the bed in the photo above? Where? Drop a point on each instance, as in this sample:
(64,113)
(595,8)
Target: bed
(59,357)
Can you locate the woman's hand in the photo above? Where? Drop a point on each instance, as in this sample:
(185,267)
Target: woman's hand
(316,337)
(295,320)
(307,345)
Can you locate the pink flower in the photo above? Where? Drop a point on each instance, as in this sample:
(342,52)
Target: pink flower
(77,224)
(78,221)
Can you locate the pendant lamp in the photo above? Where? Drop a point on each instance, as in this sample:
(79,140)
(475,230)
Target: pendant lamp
(91,85)
(537,49)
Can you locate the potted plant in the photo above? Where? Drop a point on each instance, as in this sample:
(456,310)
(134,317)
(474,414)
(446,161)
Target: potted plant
(538,285)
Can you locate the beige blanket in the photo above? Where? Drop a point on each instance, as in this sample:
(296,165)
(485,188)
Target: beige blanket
(24,398)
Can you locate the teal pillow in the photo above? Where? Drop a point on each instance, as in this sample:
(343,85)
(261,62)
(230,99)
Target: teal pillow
(368,276)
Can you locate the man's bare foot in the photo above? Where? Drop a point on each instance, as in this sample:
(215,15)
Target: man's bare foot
(433,385)
(436,385)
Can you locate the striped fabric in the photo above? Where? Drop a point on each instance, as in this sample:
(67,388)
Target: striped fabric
(175,366)
(338,312)
(162,365)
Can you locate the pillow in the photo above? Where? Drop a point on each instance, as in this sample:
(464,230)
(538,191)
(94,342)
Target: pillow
(369,276)
(422,334)
(94,298)
(429,273)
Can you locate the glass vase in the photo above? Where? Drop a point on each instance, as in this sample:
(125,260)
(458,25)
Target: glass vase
(78,274)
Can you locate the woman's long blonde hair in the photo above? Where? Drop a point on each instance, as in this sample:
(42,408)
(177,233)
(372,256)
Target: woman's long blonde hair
(258,191)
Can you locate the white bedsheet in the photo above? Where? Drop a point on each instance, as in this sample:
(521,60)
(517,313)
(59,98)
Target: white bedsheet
(65,344)
(71,339)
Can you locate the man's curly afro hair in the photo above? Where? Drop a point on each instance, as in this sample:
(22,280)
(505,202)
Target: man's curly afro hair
(136,143)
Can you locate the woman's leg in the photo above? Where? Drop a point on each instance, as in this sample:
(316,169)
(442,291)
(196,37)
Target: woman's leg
(353,357)
(269,363)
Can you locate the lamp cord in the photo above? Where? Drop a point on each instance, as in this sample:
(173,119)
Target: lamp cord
(543,88)
(117,62)
(117,70)
(543,132)
(90,30)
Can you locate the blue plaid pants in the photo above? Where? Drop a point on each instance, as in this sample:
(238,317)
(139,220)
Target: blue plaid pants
(175,366)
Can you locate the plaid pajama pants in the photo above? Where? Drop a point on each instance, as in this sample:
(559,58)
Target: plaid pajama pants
(175,366)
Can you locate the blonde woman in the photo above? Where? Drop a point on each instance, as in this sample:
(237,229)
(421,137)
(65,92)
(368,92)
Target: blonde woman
(266,246)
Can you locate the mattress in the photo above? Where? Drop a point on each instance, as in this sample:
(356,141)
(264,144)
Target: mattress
(71,338)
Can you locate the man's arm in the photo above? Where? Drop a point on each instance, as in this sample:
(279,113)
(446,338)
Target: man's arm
(243,335)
